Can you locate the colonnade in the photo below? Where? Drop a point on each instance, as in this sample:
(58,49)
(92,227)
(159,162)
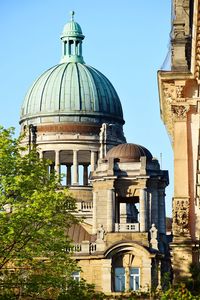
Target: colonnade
(72,166)
(151,210)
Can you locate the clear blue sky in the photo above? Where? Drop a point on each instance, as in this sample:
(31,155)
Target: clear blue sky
(126,40)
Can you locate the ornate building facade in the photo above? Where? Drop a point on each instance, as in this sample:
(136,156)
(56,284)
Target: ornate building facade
(74,116)
(179,106)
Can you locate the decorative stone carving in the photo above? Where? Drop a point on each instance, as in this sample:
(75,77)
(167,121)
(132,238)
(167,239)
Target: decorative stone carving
(100,232)
(169,91)
(169,97)
(154,237)
(179,112)
(179,91)
(102,140)
(197,58)
(180,216)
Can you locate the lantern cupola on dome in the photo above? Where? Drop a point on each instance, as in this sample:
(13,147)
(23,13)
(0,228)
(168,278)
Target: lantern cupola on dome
(72,37)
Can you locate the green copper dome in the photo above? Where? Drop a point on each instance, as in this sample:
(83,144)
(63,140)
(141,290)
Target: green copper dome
(72,91)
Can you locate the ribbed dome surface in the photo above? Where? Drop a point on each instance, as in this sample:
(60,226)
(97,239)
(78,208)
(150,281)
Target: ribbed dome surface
(72,90)
(129,152)
(72,29)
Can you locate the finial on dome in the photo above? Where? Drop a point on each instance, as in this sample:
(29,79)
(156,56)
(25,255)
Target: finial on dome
(72,13)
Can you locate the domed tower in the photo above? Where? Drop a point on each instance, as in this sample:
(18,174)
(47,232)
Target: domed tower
(65,108)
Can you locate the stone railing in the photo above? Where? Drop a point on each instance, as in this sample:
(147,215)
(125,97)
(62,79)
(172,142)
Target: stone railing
(85,247)
(84,206)
(132,227)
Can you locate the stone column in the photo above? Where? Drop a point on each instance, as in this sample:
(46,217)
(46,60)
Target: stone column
(159,275)
(110,210)
(69,47)
(127,278)
(93,160)
(41,154)
(57,162)
(69,175)
(143,210)
(94,220)
(85,174)
(75,167)
(123,213)
(154,207)
(75,48)
(161,210)
(80,48)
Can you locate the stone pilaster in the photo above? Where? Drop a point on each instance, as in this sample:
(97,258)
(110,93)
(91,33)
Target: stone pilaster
(106,275)
(110,210)
(143,210)
(94,227)
(161,212)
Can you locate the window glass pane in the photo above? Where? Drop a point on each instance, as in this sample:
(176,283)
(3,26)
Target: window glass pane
(76,276)
(75,273)
(137,283)
(134,279)
(134,271)
(119,279)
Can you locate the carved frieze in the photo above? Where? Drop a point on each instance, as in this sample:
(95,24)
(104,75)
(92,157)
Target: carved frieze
(179,91)
(197,56)
(181,216)
(169,91)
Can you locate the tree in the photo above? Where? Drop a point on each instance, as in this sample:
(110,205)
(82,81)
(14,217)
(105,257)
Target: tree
(35,214)
(81,290)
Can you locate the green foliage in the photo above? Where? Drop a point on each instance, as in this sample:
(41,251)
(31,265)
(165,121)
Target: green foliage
(80,290)
(194,282)
(179,293)
(166,281)
(34,218)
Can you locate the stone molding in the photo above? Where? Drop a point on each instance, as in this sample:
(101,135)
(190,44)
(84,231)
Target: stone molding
(80,128)
(196,37)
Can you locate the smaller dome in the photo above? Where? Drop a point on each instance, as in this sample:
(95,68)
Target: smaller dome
(72,29)
(129,153)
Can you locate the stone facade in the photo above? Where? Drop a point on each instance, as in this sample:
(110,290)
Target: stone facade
(179,103)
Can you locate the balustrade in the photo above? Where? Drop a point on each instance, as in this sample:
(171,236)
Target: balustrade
(133,227)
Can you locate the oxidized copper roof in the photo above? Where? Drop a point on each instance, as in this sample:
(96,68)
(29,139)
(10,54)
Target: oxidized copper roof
(129,152)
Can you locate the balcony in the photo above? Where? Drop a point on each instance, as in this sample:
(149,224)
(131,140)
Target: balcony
(127,227)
